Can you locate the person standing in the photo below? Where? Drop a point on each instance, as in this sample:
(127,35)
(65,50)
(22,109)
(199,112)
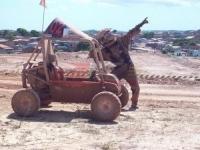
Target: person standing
(115,49)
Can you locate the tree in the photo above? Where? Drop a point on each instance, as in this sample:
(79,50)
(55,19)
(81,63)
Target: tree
(35,33)
(148,35)
(7,34)
(10,36)
(23,32)
(185,43)
(114,31)
(1,33)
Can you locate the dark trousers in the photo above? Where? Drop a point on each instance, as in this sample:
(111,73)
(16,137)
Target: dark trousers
(128,73)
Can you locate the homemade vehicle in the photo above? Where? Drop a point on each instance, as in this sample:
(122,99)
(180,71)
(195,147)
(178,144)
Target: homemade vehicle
(45,82)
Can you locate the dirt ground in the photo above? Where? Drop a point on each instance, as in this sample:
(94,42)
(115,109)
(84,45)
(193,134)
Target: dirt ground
(168,116)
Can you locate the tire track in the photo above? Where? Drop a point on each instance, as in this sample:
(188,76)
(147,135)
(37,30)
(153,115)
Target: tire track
(170,93)
(148,91)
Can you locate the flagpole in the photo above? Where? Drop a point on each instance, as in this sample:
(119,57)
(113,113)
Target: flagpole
(43,20)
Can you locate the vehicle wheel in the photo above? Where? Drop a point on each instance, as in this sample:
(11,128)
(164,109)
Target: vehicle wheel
(125,96)
(25,102)
(105,106)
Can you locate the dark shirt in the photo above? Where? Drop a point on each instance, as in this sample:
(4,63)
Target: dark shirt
(117,52)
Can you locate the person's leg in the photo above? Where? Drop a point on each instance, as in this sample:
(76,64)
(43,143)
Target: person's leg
(131,78)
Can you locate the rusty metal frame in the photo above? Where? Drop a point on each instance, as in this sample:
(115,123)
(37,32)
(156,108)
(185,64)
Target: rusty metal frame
(45,48)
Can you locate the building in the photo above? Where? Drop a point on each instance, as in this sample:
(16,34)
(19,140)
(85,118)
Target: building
(3,41)
(180,53)
(156,44)
(158,34)
(30,47)
(4,49)
(65,45)
(21,41)
(194,53)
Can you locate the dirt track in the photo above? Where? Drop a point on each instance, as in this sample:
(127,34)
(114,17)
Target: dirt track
(168,118)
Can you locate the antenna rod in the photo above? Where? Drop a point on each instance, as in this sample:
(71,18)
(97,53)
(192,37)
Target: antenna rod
(43,20)
(43,4)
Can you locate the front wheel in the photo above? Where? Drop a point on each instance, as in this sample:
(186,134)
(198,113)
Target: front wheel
(25,102)
(105,106)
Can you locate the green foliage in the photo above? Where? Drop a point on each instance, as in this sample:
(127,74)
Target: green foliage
(83,46)
(186,43)
(1,33)
(23,32)
(114,31)
(10,34)
(7,34)
(148,35)
(35,33)
(177,35)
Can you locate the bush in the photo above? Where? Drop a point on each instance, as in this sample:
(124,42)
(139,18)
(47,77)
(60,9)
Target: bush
(7,34)
(23,32)
(185,43)
(148,35)
(35,33)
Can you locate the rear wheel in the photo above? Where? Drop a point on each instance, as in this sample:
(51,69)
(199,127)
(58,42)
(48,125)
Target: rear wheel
(124,96)
(25,102)
(105,106)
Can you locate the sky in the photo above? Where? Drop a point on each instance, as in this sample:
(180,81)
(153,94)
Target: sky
(98,14)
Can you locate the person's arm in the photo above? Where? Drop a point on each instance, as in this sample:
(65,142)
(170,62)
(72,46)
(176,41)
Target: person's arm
(133,32)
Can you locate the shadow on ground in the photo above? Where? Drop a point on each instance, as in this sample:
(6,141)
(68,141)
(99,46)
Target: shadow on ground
(52,116)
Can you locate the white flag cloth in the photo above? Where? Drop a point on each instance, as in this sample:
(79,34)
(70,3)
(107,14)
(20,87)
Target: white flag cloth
(59,29)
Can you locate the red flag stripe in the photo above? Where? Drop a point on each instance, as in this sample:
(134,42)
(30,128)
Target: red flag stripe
(43,3)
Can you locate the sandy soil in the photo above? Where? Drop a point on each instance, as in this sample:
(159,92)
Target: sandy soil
(146,63)
(168,116)
(160,64)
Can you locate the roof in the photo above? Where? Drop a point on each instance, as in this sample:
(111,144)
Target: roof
(21,40)
(3,40)
(189,37)
(34,38)
(2,46)
(176,47)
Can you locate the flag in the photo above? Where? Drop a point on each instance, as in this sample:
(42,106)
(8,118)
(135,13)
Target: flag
(43,3)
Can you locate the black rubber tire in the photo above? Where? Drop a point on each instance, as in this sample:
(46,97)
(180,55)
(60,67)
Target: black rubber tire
(25,102)
(125,96)
(105,106)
